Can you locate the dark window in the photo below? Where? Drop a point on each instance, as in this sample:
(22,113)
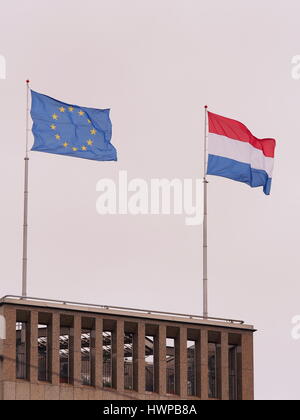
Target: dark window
(233,376)
(212,371)
(107,359)
(64,355)
(128,361)
(86,361)
(191,367)
(149,363)
(43,353)
(170,350)
(21,350)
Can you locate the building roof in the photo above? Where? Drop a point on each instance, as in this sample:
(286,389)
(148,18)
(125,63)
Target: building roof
(43,303)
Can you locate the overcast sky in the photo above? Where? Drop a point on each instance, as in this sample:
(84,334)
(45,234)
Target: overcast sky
(155,63)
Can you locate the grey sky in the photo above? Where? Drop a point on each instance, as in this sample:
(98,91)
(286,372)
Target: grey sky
(156,63)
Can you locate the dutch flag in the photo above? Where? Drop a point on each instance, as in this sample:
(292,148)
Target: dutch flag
(233,152)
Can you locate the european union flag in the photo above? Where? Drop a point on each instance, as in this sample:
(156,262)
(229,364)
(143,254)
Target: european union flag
(71,130)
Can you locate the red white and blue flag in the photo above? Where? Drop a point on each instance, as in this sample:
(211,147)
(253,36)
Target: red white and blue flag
(233,152)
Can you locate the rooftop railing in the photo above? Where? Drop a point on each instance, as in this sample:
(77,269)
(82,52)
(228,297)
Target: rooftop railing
(120,308)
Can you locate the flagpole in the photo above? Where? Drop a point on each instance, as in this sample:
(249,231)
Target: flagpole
(25,224)
(205,182)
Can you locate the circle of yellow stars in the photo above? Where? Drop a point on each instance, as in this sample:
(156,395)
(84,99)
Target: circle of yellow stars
(81,113)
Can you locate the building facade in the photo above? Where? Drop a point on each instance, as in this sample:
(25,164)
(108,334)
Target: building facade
(52,350)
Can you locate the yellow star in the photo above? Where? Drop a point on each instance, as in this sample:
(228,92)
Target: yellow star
(57,137)
(71,109)
(93,131)
(66,144)
(53,126)
(81,113)
(74,149)
(55,117)
(90,142)
(84,148)
(62,109)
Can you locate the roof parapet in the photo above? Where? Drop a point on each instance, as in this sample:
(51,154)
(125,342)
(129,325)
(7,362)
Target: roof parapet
(119,310)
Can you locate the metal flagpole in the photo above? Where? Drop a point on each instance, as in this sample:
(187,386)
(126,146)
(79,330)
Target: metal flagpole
(25,225)
(205,280)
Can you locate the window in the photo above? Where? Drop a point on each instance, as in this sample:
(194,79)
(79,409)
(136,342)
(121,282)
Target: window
(21,350)
(107,359)
(191,368)
(86,361)
(149,363)
(212,371)
(170,351)
(43,353)
(233,376)
(128,361)
(64,354)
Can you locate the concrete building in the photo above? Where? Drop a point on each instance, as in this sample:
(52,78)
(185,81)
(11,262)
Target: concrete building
(51,350)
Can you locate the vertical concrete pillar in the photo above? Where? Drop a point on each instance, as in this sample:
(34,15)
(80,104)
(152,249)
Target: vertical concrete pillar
(160,372)
(139,358)
(202,365)
(118,356)
(75,351)
(181,364)
(224,368)
(247,391)
(97,354)
(54,349)
(32,339)
(8,346)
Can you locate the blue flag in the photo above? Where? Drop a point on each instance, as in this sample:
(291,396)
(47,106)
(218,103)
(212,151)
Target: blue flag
(71,130)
